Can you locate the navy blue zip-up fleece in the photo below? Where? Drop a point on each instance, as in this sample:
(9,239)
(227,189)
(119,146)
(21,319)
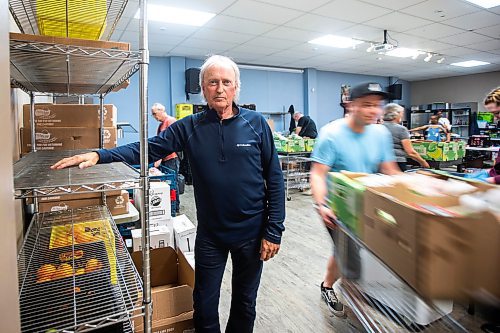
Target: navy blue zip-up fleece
(238,183)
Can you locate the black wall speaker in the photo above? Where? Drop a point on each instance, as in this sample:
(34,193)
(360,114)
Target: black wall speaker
(395,91)
(193,81)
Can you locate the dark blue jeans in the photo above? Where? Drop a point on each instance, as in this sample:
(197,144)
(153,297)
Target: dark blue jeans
(210,261)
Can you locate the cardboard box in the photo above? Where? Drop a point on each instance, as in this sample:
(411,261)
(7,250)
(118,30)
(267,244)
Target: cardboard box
(70,115)
(159,238)
(100,44)
(185,233)
(270,122)
(118,204)
(434,254)
(67,138)
(159,203)
(309,144)
(172,279)
(437,151)
(61,205)
(183,110)
(189,258)
(346,199)
(74,196)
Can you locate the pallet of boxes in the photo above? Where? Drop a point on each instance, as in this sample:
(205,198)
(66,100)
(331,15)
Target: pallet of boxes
(439,233)
(172,242)
(70,127)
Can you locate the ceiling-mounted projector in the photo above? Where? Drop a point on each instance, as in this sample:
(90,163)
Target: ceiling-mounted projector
(384,47)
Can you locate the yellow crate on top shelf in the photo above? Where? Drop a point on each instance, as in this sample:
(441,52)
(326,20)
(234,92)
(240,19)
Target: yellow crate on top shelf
(183,110)
(80,19)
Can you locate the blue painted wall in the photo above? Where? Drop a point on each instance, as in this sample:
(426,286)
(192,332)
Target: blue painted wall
(313,92)
(328,93)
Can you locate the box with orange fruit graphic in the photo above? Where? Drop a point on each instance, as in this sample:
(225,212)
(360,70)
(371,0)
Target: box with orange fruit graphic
(86,233)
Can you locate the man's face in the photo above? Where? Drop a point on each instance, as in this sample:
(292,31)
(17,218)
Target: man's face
(366,109)
(219,87)
(296,117)
(439,114)
(495,109)
(434,120)
(157,114)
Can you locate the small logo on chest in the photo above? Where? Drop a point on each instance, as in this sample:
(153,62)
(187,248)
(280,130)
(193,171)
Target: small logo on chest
(243,145)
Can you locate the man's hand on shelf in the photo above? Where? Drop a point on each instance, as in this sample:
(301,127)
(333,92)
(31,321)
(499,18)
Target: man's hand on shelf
(83,161)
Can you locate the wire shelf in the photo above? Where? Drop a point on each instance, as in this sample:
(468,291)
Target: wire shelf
(65,69)
(33,176)
(103,20)
(75,273)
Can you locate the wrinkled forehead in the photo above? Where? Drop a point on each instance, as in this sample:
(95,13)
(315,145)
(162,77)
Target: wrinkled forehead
(224,70)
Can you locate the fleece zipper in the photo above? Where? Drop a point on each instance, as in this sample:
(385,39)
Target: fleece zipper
(222,157)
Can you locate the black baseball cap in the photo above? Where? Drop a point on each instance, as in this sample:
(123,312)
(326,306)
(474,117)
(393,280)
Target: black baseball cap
(369,88)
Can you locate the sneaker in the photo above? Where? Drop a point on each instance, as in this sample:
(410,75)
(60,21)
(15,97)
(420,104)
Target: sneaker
(332,301)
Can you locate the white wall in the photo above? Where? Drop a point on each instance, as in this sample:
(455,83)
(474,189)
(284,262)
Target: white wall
(458,89)
(9,312)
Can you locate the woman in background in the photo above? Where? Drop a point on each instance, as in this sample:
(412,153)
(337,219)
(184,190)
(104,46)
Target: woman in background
(492,104)
(400,136)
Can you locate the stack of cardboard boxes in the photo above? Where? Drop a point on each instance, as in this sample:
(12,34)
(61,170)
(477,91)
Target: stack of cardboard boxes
(68,127)
(440,151)
(439,252)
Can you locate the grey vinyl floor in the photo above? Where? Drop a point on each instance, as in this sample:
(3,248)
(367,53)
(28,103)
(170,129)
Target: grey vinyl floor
(289,296)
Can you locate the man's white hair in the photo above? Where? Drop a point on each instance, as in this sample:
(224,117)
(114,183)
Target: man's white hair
(391,111)
(218,60)
(158,106)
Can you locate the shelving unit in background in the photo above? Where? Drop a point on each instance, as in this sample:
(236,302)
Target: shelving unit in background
(75,70)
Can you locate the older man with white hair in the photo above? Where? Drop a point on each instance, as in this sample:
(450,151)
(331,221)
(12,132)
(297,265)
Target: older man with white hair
(238,187)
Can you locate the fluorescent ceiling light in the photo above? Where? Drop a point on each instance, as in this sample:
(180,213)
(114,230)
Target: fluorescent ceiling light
(403,52)
(470,63)
(176,15)
(485,3)
(336,41)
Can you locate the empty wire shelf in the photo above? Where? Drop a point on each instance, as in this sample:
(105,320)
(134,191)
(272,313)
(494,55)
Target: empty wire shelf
(33,176)
(76,18)
(69,70)
(75,274)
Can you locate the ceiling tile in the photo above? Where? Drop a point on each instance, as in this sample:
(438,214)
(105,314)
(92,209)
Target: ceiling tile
(491,44)
(434,31)
(440,10)
(273,60)
(420,43)
(397,22)
(237,25)
(493,31)
(212,6)
(271,42)
(495,10)
(208,44)
(363,32)
(292,34)
(261,12)
(258,51)
(485,56)
(221,35)
(165,38)
(457,51)
(474,21)
(129,37)
(305,6)
(464,38)
(191,52)
(171,29)
(318,23)
(240,57)
(394,5)
(352,10)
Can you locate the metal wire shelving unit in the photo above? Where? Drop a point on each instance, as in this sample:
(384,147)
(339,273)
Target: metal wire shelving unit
(25,15)
(82,302)
(381,304)
(297,178)
(99,288)
(33,176)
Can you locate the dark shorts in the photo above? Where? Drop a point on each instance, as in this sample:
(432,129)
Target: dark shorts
(346,253)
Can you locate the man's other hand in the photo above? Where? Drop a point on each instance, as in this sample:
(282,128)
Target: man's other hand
(268,250)
(83,161)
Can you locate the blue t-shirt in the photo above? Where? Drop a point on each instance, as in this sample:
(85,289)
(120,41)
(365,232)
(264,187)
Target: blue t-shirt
(342,149)
(433,133)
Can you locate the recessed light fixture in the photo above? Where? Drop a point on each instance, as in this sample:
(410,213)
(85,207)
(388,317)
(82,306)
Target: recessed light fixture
(176,15)
(485,3)
(440,61)
(336,41)
(470,63)
(404,52)
(428,58)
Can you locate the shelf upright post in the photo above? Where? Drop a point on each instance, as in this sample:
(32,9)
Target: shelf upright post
(144,180)
(101,126)
(32,121)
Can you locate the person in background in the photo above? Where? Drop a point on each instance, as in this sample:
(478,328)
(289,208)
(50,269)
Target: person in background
(393,113)
(443,121)
(433,130)
(238,189)
(492,104)
(354,144)
(170,161)
(305,126)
